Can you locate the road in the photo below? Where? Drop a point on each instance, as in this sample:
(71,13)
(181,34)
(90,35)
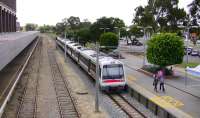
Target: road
(183,97)
(140,50)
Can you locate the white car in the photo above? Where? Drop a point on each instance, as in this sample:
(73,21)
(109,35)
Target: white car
(198,42)
(195,53)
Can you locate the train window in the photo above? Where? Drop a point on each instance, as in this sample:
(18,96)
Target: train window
(113,71)
(84,60)
(92,67)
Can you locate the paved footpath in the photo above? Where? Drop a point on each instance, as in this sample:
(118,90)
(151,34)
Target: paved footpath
(185,98)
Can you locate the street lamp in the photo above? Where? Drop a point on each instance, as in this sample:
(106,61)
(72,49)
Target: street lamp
(119,40)
(97,79)
(145,38)
(187,30)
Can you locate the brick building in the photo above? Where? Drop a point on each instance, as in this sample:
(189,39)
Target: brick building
(8,16)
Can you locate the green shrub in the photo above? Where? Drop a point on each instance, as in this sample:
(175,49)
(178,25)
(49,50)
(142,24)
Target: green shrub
(154,69)
(165,49)
(109,40)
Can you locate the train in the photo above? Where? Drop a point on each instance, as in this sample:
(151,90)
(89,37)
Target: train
(111,71)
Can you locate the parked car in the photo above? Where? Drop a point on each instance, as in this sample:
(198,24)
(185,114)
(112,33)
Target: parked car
(198,42)
(195,53)
(188,50)
(136,42)
(129,42)
(115,54)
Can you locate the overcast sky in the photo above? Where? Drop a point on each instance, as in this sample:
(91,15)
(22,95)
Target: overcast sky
(53,11)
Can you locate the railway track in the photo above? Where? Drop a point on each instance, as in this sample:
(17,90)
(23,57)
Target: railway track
(28,101)
(125,106)
(66,103)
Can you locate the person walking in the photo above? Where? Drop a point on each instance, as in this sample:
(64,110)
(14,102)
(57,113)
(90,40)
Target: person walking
(161,76)
(155,81)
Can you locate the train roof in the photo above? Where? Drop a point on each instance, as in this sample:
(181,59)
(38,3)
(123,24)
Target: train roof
(103,58)
(91,54)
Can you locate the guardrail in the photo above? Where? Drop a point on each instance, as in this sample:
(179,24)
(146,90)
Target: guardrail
(15,83)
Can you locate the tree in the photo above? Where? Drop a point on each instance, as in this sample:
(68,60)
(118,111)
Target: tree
(162,15)
(30,27)
(84,35)
(73,22)
(144,17)
(165,49)
(109,40)
(69,26)
(105,24)
(60,28)
(194,9)
(46,28)
(168,15)
(135,31)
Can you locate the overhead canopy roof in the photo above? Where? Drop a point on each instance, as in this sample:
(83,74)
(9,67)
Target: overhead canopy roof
(10,3)
(194,71)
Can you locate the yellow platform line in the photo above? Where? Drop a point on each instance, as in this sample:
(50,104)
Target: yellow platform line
(164,101)
(129,77)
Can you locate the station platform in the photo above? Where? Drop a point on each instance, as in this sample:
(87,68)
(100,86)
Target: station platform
(11,44)
(182,94)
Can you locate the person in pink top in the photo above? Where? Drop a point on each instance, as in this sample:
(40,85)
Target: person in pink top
(161,78)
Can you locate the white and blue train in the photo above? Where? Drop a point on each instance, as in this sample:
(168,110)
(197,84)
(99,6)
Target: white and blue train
(111,74)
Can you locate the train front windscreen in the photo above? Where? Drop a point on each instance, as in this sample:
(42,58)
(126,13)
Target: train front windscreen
(113,72)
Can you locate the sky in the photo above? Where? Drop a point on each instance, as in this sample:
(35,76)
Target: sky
(52,11)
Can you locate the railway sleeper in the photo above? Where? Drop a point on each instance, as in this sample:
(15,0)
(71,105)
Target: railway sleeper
(64,99)
(66,104)
(69,112)
(62,95)
(59,82)
(60,89)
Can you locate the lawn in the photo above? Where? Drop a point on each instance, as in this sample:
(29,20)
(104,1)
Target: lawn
(191,65)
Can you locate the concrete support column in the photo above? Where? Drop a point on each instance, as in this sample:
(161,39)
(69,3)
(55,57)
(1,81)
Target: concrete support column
(4,20)
(8,24)
(1,24)
(11,22)
(15,19)
(7,21)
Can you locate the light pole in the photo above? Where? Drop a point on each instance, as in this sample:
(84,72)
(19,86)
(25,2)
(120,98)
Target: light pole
(65,34)
(119,40)
(145,38)
(187,30)
(97,79)
(65,52)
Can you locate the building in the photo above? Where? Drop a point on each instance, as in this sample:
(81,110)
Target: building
(8,16)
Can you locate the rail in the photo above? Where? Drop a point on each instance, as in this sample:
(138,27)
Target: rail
(125,106)
(66,103)
(3,106)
